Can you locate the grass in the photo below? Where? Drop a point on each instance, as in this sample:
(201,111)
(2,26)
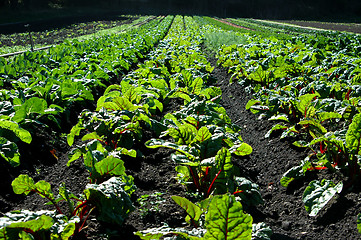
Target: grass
(215,40)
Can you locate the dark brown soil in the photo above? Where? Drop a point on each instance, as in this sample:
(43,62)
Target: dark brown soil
(342,27)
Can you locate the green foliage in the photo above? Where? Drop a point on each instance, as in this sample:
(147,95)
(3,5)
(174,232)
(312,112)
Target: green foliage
(318,194)
(110,199)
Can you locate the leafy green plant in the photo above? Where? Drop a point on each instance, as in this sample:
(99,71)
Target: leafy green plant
(224,219)
(110,200)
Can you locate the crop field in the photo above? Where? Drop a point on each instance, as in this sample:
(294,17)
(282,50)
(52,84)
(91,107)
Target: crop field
(181,127)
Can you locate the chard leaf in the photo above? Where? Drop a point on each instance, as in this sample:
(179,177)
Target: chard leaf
(314,123)
(118,103)
(353,135)
(280,117)
(14,127)
(318,194)
(30,106)
(251,103)
(109,166)
(91,136)
(156,143)
(305,104)
(260,231)
(75,131)
(323,116)
(225,219)
(10,152)
(42,223)
(292,174)
(14,224)
(242,149)
(23,184)
(112,202)
(248,192)
(194,212)
(202,135)
(274,128)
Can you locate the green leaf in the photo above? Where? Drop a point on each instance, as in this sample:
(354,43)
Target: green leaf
(30,106)
(260,231)
(292,174)
(353,135)
(10,152)
(242,149)
(23,184)
(202,135)
(225,219)
(249,192)
(274,128)
(193,211)
(110,166)
(156,143)
(21,133)
(318,194)
(305,104)
(323,116)
(119,103)
(112,202)
(43,188)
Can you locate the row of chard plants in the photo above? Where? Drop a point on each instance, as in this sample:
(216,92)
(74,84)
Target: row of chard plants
(39,90)
(200,132)
(310,87)
(37,87)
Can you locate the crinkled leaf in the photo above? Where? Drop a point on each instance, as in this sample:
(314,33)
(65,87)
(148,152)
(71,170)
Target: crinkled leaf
(248,192)
(112,202)
(314,123)
(318,194)
(10,152)
(225,219)
(260,231)
(323,116)
(119,103)
(30,106)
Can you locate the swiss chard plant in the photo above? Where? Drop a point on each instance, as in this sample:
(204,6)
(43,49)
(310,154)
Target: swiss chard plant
(217,217)
(109,200)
